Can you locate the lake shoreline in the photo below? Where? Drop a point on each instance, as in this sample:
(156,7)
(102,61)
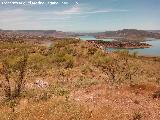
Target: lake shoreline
(152,50)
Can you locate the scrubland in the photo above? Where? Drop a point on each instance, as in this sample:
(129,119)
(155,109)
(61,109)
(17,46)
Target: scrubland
(75,80)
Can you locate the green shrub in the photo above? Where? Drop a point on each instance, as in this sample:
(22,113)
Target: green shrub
(58,58)
(85,69)
(39,62)
(63,43)
(37,94)
(69,50)
(69,61)
(31,93)
(83,82)
(65,60)
(100,59)
(59,90)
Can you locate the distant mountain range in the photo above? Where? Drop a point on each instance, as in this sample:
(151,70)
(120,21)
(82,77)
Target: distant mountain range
(40,33)
(154,31)
(125,34)
(128,34)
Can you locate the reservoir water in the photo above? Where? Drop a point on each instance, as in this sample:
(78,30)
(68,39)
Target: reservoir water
(93,38)
(154,50)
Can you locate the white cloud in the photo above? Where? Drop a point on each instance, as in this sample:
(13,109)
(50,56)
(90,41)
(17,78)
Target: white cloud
(21,18)
(83,10)
(77,11)
(105,11)
(73,10)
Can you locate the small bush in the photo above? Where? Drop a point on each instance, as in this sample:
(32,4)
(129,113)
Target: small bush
(99,59)
(65,60)
(137,116)
(59,90)
(37,62)
(69,61)
(85,69)
(92,51)
(58,58)
(29,93)
(62,91)
(83,82)
(69,50)
(44,96)
(37,95)
(63,43)
(156,94)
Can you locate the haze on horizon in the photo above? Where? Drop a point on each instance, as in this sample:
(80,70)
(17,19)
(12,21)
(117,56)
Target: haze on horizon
(82,15)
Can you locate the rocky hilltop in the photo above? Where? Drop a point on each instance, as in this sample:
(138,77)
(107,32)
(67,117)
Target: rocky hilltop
(128,34)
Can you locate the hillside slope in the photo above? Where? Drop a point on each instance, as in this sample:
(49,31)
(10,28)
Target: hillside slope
(75,80)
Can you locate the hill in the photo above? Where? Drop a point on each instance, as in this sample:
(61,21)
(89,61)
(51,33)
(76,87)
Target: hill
(123,35)
(128,34)
(48,33)
(73,79)
(154,31)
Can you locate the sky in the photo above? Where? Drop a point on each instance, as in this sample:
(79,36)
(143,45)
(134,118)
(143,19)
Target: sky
(79,15)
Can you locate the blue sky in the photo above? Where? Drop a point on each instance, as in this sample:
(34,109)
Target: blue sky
(81,15)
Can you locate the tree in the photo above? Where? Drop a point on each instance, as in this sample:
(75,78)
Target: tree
(21,68)
(6,82)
